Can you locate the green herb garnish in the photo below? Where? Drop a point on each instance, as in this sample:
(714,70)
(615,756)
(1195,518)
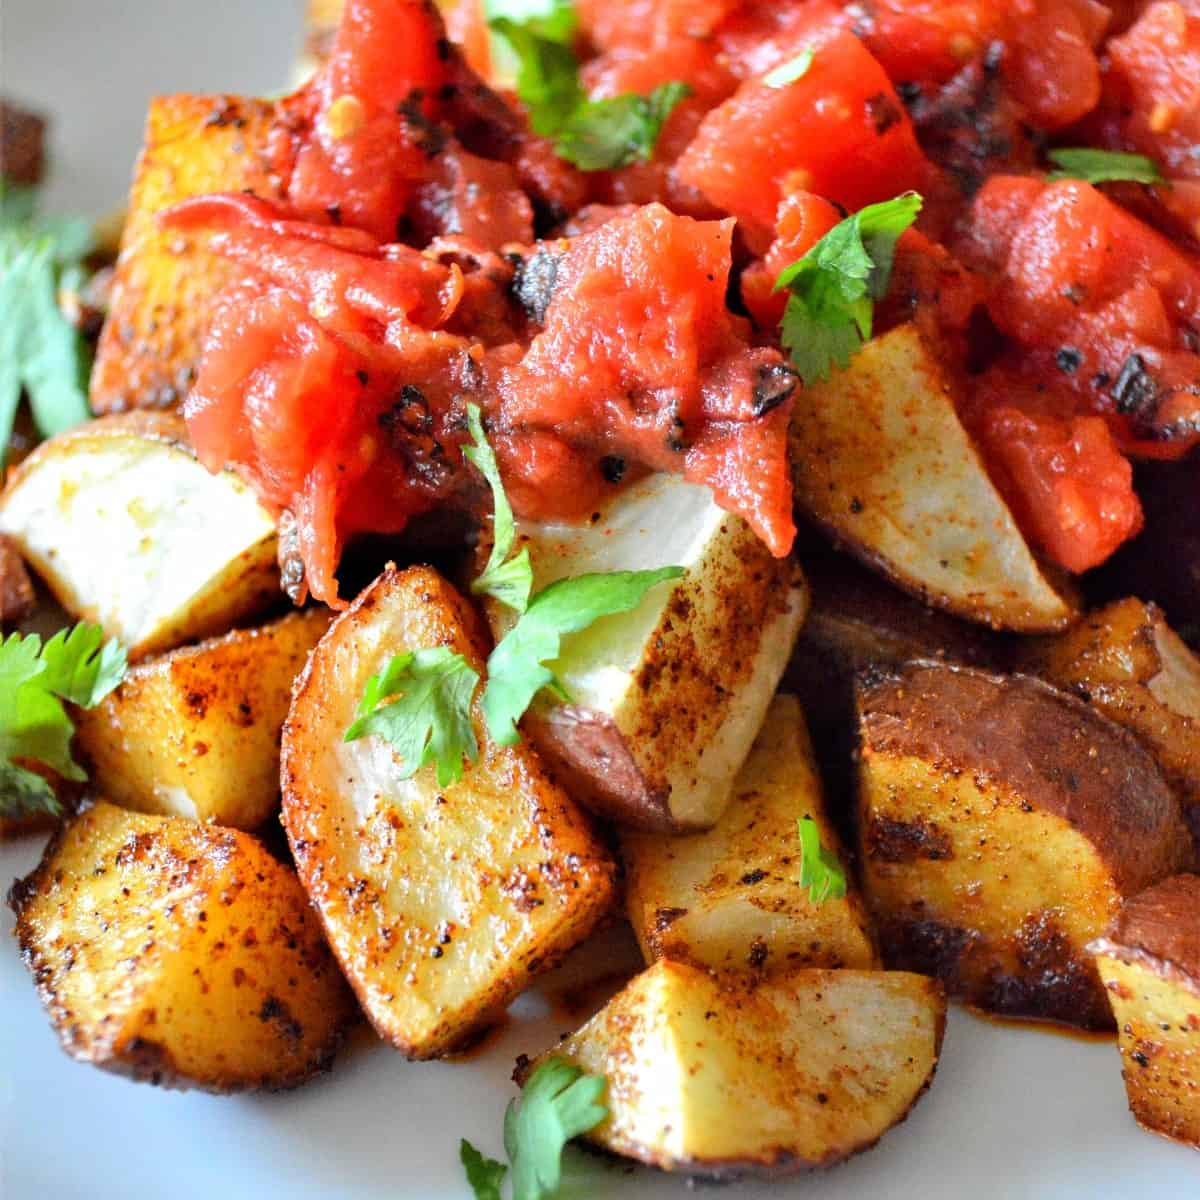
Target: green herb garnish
(1103,166)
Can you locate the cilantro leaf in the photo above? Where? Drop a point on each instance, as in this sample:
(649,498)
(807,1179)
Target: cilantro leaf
(516,668)
(41,353)
(820,870)
(421,703)
(558,1103)
(34,725)
(595,135)
(833,288)
(508,581)
(483,1174)
(791,70)
(601,135)
(1102,166)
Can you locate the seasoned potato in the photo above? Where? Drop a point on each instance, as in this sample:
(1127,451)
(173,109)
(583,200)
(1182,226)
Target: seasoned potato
(727,1075)
(179,954)
(729,898)
(1149,963)
(196,732)
(440,903)
(665,700)
(165,279)
(130,531)
(882,462)
(1002,823)
(1128,662)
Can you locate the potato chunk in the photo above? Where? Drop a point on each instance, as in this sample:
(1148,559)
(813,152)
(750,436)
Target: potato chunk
(1149,963)
(179,954)
(439,903)
(1131,665)
(882,461)
(729,898)
(196,732)
(165,280)
(665,700)
(130,531)
(726,1075)
(1002,823)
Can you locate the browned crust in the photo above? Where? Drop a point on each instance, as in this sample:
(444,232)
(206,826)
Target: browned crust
(1049,748)
(1159,929)
(22,144)
(17,598)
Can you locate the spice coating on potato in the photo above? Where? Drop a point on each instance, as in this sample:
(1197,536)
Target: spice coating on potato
(730,898)
(724,1076)
(166,281)
(1001,824)
(1149,963)
(179,954)
(1130,664)
(195,733)
(881,460)
(440,903)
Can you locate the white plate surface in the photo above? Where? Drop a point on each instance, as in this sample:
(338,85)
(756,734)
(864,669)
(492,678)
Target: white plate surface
(1013,1113)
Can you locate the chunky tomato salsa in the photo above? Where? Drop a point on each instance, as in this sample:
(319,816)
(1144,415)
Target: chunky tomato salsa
(577,221)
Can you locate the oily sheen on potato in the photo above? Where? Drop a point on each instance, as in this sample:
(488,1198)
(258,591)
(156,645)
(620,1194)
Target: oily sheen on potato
(179,954)
(1149,963)
(724,1075)
(195,733)
(1001,825)
(881,461)
(665,700)
(729,898)
(440,903)
(129,531)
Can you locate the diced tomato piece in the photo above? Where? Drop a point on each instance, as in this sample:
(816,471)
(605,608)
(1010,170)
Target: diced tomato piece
(640,24)
(1158,61)
(1067,483)
(803,220)
(840,131)
(466,25)
(640,358)
(474,198)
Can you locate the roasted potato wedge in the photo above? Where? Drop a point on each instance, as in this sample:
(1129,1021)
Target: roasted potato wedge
(439,903)
(179,954)
(1001,825)
(667,699)
(729,898)
(196,732)
(165,280)
(1131,665)
(726,1075)
(882,462)
(128,530)
(1149,963)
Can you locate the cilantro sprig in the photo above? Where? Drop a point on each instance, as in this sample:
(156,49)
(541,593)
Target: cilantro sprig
(595,135)
(421,703)
(559,1102)
(820,870)
(77,666)
(509,580)
(1102,166)
(41,353)
(833,288)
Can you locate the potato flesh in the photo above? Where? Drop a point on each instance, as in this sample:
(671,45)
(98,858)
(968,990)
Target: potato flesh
(996,901)
(729,898)
(881,459)
(165,280)
(1126,661)
(131,532)
(724,1075)
(439,903)
(1159,1022)
(196,732)
(665,700)
(179,954)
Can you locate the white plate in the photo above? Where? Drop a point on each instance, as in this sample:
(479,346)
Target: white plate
(1012,1113)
